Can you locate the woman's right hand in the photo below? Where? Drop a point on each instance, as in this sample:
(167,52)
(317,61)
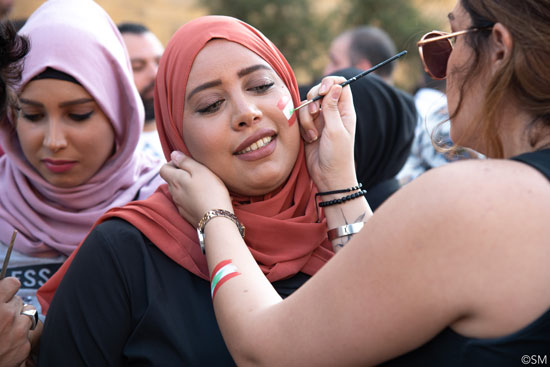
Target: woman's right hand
(194,188)
(15,344)
(330,157)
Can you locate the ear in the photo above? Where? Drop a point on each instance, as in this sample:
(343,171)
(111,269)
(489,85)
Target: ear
(501,45)
(363,64)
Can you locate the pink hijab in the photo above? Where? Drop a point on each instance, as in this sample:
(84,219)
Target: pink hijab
(76,37)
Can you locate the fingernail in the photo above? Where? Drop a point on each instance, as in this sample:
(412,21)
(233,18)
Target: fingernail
(322,89)
(312,135)
(335,94)
(312,107)
(176,156)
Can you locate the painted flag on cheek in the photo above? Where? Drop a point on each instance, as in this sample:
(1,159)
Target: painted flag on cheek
(285,104)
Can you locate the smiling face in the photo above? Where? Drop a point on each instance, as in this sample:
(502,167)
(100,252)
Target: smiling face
(64,134)
(232,123)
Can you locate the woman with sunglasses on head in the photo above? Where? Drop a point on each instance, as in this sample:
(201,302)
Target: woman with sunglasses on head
(70,143)
(453,268)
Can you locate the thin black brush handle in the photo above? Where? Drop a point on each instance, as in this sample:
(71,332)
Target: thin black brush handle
(358,76)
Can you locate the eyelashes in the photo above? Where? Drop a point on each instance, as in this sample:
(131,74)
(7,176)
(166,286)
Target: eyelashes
(213,107)
(80,117)
(77,117)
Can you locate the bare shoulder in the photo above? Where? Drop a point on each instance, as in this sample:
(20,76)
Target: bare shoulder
(477,186)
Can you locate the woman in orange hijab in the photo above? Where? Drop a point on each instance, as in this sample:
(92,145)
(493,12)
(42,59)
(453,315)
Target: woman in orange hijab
(139,290)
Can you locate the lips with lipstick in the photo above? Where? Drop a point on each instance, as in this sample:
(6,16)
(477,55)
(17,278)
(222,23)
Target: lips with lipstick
(58,165)
(258,145)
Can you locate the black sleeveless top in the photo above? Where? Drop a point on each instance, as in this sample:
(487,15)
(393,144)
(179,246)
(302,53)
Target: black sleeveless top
(528,346)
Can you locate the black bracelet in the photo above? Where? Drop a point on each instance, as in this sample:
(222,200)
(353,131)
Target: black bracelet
(343,199)
(354,188)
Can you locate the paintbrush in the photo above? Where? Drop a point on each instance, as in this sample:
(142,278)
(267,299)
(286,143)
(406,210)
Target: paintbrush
(8,254)
(358,76)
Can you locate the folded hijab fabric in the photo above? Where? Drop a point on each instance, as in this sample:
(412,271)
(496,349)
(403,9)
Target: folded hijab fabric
(75,37)
(281,229)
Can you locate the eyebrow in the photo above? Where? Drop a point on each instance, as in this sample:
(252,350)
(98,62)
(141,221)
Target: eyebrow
(32,103)
(241,73)
(75,102)
(64,104)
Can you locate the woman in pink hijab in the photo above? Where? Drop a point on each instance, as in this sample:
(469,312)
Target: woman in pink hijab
(70,150)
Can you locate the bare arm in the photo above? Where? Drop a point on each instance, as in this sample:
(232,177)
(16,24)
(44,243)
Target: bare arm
(363,307)
(434,256)
(418,266)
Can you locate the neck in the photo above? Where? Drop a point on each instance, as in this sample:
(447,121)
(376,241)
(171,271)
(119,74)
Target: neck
(520,133)
(149,126)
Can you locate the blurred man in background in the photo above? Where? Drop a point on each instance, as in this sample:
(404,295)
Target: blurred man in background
(5,8)
(362,48)
(145,50)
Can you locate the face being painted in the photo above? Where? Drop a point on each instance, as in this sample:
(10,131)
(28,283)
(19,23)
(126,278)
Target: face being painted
(233,121)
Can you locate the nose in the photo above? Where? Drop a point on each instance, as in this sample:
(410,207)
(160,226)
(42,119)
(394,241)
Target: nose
(245,112)
(152,70)
(54,137)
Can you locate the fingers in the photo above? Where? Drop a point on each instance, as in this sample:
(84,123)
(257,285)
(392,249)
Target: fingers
(310,123)
(177,168)
(8,288)
(331,112)
(338,110)
(307,117)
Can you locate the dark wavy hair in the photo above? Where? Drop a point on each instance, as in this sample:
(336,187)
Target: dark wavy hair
(13,48)
(526,74)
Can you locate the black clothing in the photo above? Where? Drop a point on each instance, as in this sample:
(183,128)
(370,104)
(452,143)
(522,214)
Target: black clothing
(125,303)
(528,346)
(386,122)
(539,160)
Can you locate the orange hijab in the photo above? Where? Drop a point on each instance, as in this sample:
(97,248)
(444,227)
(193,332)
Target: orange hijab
(281,229)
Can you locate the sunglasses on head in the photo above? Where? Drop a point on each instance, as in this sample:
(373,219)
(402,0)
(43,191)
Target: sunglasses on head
(435,48)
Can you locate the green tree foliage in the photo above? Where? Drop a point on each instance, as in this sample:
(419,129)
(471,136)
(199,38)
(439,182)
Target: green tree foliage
(399,18)
(303,31)
(291,25)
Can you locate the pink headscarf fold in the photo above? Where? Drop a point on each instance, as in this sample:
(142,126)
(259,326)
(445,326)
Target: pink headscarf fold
(76,37)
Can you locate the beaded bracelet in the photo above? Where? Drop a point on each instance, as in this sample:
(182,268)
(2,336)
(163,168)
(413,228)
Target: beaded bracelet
(354,188)
(349,189)
(343,199)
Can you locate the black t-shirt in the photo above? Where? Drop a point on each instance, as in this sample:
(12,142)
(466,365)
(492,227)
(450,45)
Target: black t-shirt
(123,302)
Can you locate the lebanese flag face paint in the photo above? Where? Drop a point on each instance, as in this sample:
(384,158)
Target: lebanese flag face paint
(285,104)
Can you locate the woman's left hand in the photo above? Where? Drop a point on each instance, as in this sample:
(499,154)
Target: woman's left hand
(330,157)
(194,188)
